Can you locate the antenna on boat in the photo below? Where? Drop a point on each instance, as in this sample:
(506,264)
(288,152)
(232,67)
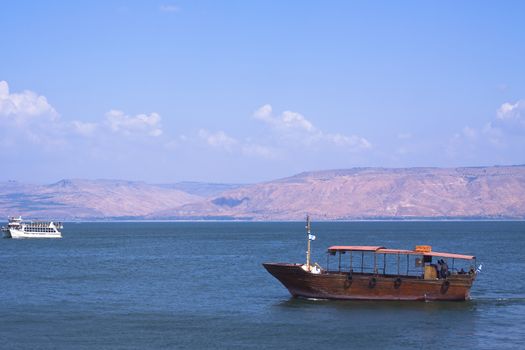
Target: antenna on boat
(308,227)
(309,237)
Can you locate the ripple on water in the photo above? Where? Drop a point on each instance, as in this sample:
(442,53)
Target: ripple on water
(201,285)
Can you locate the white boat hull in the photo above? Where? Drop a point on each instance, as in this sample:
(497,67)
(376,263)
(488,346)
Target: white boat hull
(13,233)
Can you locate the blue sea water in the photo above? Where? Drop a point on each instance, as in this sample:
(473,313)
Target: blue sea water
(201,285)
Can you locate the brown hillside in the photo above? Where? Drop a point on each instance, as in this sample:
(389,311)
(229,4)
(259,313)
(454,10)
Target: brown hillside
(482,192)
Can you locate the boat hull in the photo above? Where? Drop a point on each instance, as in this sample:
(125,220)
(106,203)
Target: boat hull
(363,286)
(13,233)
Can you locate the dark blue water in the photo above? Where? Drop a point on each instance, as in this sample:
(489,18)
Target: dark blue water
(201,285)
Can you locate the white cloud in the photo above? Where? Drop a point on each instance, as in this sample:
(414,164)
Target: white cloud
(4,89)
(24,107)
(512,112)
(82,128)
(222,141)
(174,144)
(494,135)
(287,120)
(218,139)
(470,133)
(169,8)
(351,141)
(264,113)
(508,125)
(296,121)
(119,122)
(28,118)
(507,129)
(295,126)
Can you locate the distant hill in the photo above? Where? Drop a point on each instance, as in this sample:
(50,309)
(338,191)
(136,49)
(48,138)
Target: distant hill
(202,189)
(88,199)
(372,193)
(359,193)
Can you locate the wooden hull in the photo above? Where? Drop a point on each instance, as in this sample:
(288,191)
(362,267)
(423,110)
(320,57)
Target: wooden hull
(363,286)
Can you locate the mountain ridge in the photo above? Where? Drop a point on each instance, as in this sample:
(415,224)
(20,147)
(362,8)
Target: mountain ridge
(371,193)
(494,192)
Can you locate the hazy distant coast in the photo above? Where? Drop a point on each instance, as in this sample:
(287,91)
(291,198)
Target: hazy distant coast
(346,194)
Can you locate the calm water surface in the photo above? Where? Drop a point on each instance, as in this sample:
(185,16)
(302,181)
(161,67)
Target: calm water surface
(201,285)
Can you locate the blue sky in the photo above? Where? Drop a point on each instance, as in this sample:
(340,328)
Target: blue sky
(245,91)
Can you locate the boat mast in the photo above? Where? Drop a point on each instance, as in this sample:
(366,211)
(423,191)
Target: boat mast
(308,229)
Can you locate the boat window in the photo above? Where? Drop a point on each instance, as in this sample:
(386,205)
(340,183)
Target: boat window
(391,264)
(356,261)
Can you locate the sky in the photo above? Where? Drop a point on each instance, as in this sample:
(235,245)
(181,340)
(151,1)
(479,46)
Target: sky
(249,91)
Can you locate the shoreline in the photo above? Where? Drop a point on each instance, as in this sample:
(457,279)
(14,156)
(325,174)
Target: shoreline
(288,221)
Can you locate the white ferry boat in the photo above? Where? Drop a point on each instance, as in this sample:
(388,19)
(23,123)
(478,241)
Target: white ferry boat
(16,228)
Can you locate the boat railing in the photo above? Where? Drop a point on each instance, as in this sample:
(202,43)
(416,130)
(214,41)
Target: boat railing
(391,262)
(397,264)
(419,273)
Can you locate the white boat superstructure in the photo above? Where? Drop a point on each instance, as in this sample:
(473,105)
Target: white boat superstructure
(16,228)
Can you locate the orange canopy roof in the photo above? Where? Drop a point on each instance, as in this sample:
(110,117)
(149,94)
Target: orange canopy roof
(361,248)
(383,250)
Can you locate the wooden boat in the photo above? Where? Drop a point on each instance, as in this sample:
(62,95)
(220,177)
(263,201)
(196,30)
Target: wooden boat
(379,273)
